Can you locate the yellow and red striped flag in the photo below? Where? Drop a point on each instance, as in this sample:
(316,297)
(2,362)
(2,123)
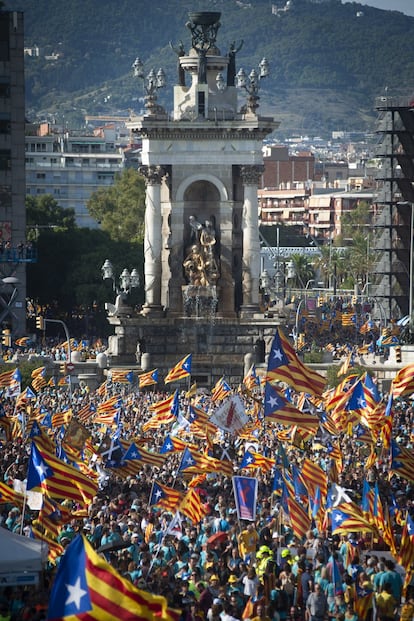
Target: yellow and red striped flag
(122,376)
(48,473)
(221,390)
(251,460)
(9,377)
(313,476)
(166,497)
(61,418)
(103,594)
(299,518)
(403,382)
(52,515)
(285,366)
(55,549)
(9,495)
(148,379)
(191,506)
(22,341)
(39,378)
(406,551)
(348,518)
(182,369)
(164,412)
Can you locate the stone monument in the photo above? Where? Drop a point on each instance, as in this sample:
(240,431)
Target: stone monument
(202,168)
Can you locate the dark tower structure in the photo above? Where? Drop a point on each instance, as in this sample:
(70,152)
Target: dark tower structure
(394,271)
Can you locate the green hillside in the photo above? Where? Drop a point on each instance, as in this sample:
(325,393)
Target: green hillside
(328,60)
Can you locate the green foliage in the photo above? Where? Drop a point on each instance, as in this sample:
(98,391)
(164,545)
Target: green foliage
(312,46)
(26,369)
(332,374)
(304,271)
(312,357)
(68,271)
(43,212)
(120,208)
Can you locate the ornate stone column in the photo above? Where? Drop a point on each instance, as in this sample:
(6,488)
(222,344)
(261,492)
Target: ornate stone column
(152,239)
(251,243)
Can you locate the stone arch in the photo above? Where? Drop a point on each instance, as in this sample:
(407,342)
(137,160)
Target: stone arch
(188,181)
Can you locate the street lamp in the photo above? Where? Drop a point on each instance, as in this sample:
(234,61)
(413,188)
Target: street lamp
(127,280)
(152,83)
(220,82)
(251,84)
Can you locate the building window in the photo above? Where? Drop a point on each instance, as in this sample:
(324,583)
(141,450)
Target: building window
(5,126)
(40,176)
(4,89)
(5,159)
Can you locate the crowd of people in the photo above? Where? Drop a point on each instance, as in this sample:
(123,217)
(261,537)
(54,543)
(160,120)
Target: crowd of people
(222,568)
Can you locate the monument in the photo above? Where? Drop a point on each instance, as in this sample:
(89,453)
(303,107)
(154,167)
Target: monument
(202,166)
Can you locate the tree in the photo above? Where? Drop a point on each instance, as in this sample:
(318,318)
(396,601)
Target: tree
(43,212)
(120,208)
(303,269)
(330,265)
(67,277)
(359,236)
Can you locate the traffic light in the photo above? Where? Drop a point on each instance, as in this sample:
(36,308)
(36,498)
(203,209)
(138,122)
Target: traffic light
(63,369)
(398,354)
(354,299)
(320,301)
(6,338)
(386,332)
(40,323)
(301,341)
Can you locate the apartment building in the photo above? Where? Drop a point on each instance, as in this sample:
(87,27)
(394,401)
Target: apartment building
(70,166)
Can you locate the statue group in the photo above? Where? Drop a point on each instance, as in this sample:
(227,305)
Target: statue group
(200,265)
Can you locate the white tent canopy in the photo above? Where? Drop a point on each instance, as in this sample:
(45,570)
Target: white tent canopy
(20,553)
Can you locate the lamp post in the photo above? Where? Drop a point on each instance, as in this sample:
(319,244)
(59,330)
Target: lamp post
(251,84)
(152,83)
(127,280)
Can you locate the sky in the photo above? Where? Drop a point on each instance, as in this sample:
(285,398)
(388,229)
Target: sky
(405,6)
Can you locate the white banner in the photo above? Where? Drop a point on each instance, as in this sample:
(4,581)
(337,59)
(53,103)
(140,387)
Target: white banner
(231,415)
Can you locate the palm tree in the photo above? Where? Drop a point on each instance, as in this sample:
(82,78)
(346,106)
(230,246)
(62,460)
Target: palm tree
(303,271)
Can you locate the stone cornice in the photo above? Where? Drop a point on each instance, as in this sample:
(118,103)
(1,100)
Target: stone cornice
(247,128)
(213,133)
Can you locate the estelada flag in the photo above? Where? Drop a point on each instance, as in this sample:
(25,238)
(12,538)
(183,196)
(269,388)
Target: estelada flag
(87,586)
(148,379)
(285,366)
(182,369)
(245,497)
(46,472)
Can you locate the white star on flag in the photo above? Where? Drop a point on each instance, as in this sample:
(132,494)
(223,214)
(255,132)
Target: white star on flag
(277,354)
(42,469)
(75,593)
(273,401)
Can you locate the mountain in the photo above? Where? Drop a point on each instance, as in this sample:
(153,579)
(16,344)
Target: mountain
(328,60)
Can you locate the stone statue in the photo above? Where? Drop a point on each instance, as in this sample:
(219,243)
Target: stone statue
(231,68)
(180,51)
(202,65)
(200,265)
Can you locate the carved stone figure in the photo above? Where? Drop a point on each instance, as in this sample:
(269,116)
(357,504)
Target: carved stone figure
(231,68)
(200,265)
(180,51)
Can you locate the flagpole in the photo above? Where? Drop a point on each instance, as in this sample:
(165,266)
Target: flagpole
(178,470)
(23,511)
